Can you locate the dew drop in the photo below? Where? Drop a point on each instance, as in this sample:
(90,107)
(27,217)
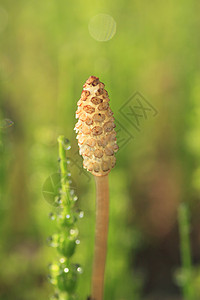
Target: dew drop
(66,144)
(68,160)
(58,200)
(77,242)
(74,232)
(62,260)
(52,216)
(71,192)
(81,214)
(79,270)
(54,267)
(53,241)
(75,198)
(66,270)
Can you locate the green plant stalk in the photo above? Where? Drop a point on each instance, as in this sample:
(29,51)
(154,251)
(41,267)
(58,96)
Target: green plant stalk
(184,230)
(63,170)
(63,272)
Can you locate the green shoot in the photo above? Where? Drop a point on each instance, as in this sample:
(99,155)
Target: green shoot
(63,273)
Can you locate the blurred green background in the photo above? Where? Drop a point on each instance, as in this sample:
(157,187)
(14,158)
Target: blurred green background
(46,54)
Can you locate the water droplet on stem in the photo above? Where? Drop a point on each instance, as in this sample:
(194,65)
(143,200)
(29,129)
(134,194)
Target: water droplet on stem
(66,144)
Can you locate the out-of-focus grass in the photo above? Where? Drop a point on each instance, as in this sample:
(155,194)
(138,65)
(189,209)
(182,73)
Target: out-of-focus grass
(46,54)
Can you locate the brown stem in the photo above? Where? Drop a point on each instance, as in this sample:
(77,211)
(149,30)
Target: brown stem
(101,233)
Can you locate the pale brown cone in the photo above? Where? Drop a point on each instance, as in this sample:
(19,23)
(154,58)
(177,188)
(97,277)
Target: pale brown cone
(95,127)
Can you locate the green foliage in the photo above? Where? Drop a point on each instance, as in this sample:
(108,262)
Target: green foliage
(46,54)
(64,274)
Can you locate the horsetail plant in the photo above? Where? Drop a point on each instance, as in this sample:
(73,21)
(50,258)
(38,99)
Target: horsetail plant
(63,274)
(97,144)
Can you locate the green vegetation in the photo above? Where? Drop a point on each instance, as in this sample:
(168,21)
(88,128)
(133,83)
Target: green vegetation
(46,54)
(63,274)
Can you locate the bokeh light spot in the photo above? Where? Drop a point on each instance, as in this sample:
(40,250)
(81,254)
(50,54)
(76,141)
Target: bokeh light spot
(102,27)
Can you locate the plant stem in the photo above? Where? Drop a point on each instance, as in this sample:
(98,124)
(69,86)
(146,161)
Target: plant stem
(184,229)
(101,233)
(63,170)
